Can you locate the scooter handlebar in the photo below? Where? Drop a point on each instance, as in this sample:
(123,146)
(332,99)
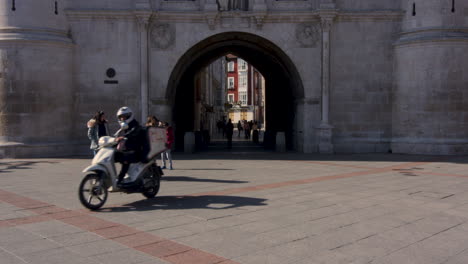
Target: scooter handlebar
(107,141)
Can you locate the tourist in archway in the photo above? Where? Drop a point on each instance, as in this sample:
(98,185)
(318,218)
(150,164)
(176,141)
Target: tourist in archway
(246,129)
(229,132)
(255,132)
(239,128)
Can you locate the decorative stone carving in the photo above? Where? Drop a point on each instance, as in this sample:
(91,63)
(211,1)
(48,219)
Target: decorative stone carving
(162,36)
(227,5)
(308,34)
(326,23)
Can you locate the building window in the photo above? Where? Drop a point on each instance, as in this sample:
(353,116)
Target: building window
(230,82)
(231,98)
(230,66)
(241,65)
(243,80)
(243,98)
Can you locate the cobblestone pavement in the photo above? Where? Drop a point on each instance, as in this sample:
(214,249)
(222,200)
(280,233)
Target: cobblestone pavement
(244,208)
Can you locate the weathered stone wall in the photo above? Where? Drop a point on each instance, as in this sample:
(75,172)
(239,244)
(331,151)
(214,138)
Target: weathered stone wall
(429,107)
(35,78)
(102,43)
(362,78)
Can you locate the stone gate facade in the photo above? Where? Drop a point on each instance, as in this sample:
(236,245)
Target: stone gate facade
(361,76)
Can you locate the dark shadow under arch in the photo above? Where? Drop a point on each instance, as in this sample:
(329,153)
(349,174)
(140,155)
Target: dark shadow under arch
(283,85)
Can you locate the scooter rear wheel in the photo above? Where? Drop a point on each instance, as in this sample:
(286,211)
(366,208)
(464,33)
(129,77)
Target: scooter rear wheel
(92,192)
(151,187)
(150,192)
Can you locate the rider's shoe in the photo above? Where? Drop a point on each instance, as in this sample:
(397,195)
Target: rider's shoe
(163,167)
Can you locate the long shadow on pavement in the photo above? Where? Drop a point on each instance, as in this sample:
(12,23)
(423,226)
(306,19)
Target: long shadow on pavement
(188,202)
(20,165)
(296,156)
(191,179)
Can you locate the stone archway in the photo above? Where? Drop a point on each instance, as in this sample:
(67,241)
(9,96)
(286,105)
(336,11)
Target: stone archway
(283,84)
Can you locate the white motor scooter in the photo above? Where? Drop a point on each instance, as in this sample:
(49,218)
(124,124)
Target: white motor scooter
(101,175)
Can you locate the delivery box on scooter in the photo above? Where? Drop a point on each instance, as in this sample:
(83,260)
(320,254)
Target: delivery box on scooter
(157,141)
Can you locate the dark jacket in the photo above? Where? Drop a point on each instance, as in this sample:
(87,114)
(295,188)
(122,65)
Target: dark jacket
(137,140)
(229,129)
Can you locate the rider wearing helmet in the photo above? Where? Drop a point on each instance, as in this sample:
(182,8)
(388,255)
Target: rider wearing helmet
(134,139)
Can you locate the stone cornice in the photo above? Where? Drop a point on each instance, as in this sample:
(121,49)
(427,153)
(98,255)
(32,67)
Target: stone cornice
(104,14)
(34,35)
(432,35)
(370,15)
(271,16)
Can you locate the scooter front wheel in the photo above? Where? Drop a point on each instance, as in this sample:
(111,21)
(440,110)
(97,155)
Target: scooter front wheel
(92,192)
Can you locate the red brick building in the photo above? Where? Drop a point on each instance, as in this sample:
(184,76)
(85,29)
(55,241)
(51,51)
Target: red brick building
(245,90)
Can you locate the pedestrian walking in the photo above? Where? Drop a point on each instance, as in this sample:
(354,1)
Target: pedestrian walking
(239,128)
(97,127)
(229,132)
(255,132)
(246,129)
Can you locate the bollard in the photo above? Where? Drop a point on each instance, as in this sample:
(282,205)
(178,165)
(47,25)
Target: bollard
(189,142)
(280,142)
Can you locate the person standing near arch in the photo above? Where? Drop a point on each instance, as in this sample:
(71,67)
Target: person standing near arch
(97,127)
(229,132)
(239,128)
(166,155)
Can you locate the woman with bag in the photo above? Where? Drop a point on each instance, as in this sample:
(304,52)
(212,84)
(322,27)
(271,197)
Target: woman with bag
(97,127)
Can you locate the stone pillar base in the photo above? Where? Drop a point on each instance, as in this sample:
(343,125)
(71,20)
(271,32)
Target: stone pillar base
(324,139)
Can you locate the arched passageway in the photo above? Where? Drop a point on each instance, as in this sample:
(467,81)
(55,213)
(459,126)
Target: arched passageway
(283,86)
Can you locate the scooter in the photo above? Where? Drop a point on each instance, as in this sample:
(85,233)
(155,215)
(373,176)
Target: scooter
(101,176)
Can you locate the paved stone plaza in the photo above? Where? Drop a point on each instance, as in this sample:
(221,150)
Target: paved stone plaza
(244,208)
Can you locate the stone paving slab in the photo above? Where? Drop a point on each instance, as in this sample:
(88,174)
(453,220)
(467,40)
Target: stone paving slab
(254,208)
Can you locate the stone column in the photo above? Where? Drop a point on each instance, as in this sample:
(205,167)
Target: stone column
(143,22)
(324,131)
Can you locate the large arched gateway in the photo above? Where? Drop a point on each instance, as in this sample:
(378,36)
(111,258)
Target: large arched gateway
(283,84)
(341,76)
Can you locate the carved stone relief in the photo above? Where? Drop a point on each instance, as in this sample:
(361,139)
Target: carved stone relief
(308,34)
(162,36)
(231,5)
